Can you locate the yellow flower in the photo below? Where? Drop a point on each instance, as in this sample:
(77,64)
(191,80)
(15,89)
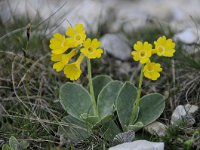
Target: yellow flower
(152,70)
(91,49)
(164,47)
(61,60)
(76,35)
(73,70)
(59,44)
(142,52)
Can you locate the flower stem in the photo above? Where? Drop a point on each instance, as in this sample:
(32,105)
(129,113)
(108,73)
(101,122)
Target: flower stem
(136,104)
(94,104)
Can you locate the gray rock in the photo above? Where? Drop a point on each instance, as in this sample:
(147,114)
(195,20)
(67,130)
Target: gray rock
(117,45)
(60,14)
(127,15)
(156,128)
(91,13)
(191,108)
(139,145)
(188,36)
(184,113)
(124,137)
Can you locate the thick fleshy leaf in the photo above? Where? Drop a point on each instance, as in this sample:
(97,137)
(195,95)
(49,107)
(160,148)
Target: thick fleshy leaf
(125,100)
(136,126)
(75,100)
(151,107)
(99,82)
(13,142)
(92,120)
(102,121)
(107,98)
(74,129)
(109,130)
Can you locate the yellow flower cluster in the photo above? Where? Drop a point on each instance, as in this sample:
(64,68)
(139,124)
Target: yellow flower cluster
(64,48)
(143,51)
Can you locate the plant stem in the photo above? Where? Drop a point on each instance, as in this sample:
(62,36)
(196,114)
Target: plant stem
(137,101)
(94,104)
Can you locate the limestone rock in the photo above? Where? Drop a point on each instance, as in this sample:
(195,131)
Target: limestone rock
(188,36)
(184,113)
(139,145)
(156,128)
(117,45)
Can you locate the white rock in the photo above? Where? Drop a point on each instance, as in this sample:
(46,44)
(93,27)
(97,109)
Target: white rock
(116,44)
(188,36)
(184,112)
(156,128)
(191,108)
(139,145)
(91,13)
(129,15)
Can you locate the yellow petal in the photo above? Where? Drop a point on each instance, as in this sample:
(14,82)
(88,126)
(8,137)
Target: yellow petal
(96,54)
(72,71)
(54,46)
(58,66)
(161,40)
(56,57)
(79,28)
(136,57)
(67,57)
(80,59)
(155,76)
(87,43)
(138,46)
(58,51)
(59,36)
(144,60)
(95,43)
(70,32)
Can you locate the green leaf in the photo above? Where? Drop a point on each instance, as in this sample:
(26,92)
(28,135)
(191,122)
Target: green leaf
(90,119)
(125,100)
(136,126)
(24,144)
(109,130)
(99,82)
(75,100)
(74,129)
(151,107)
(102,121)
(14,144)
(107,98)
(6,147)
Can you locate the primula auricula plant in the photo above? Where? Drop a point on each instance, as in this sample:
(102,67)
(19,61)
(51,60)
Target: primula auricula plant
(75,43)
(95,110)
(143,52)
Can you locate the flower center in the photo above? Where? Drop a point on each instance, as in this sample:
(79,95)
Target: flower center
(74,69)
(150,68)
(90,49)
(142,53)
(78,37)
(161,49)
